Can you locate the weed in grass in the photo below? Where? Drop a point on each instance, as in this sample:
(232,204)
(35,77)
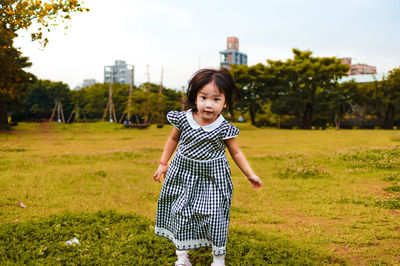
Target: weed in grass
(12,150)
(356,170)
(375,158)
(236,209)
(353,201)
(394,188)
(395,138)
(100,173)
(303,171)
(391,201)
(280,157)
(391,177)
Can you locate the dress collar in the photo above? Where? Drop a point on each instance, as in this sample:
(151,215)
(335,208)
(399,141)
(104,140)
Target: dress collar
(207,128)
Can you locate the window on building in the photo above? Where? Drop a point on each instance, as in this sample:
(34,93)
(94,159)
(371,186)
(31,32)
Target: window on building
(229,45)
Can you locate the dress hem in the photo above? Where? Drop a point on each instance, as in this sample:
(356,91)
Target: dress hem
(188,244)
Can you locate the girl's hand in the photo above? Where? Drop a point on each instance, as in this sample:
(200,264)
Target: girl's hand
(160,173)
(255,181)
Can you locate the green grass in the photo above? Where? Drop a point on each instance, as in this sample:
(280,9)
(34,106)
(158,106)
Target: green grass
(111,238)
(329,197)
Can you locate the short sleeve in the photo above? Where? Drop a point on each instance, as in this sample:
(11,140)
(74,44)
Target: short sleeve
(230,132)
(175,118)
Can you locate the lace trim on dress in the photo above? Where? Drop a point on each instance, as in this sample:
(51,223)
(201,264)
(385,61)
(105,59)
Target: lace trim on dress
(189,244)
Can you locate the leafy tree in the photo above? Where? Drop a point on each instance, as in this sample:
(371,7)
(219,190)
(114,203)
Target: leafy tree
(93,100)
(306,82)
(252,83)
(391,96)
(18,15)
(340,101)
(42,96)
(13,79)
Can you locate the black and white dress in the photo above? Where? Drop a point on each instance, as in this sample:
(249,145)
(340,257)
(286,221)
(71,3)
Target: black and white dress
(194,204)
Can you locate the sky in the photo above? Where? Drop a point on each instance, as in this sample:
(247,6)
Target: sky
(183,36)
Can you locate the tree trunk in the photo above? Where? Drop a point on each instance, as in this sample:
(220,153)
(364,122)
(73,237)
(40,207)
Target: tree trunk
(232,113)
(389,117)
(307,116)
(252,115)
(337,121)
(3,116)
(338,117)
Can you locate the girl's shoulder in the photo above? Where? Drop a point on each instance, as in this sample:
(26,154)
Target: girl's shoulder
(176,118)
(228,131)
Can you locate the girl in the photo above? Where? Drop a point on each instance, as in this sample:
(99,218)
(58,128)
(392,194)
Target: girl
(194,204)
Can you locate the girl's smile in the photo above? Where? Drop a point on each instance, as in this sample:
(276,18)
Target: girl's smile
(210,103)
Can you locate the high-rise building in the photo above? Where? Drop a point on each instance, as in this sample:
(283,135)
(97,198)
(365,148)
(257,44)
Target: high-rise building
(231,55)
(119,73)
(358,69)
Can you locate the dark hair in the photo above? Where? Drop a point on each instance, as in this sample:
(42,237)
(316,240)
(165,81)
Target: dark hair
(221,78)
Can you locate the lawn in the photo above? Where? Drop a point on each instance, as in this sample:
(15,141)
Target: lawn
(329,196)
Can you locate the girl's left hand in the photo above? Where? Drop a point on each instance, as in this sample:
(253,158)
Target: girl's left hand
(255,181)
(160,173)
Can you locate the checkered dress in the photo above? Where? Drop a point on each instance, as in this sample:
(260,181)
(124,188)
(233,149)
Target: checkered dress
(194,204)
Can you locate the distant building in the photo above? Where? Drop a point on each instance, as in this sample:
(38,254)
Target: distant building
(358,69)
(364,78)
(119,73)
(88,82)
(232,55)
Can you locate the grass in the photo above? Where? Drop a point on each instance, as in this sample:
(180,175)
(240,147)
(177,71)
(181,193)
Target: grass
(110,238)
(329,197)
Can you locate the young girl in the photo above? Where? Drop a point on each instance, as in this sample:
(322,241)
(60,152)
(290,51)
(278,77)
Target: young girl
(194,204)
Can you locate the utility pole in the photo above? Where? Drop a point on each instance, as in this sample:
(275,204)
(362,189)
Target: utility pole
(130,94)
(162,76)
(183,98)
(148,78)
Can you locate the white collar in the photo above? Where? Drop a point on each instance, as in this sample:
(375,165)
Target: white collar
(207,128)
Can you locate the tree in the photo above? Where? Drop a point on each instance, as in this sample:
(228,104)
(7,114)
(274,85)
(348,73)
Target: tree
(391,95)
(340,101)
(306,80)
(252,83)
(13,79)
(18,15)
(42,96)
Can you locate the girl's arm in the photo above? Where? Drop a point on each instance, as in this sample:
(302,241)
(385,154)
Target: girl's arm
(242,162)
(169,149)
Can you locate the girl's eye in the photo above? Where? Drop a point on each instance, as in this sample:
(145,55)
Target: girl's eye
(217,100)
(203,97)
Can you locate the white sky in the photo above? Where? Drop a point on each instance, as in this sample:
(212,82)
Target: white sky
(180,35)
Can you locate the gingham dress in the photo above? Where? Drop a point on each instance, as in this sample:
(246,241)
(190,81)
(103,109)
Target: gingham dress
(194,204)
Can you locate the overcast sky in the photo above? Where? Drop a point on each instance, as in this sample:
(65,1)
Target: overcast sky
(182,35)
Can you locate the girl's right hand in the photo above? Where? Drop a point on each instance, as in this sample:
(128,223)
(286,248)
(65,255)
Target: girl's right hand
(160,173)
(255,181)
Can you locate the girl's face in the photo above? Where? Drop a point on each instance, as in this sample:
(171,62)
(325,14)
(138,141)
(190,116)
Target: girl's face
(209,102)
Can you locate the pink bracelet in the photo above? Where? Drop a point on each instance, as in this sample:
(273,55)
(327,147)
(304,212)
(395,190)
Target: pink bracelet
(162,163)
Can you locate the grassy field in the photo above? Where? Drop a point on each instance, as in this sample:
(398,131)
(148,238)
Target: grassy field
(329,196)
